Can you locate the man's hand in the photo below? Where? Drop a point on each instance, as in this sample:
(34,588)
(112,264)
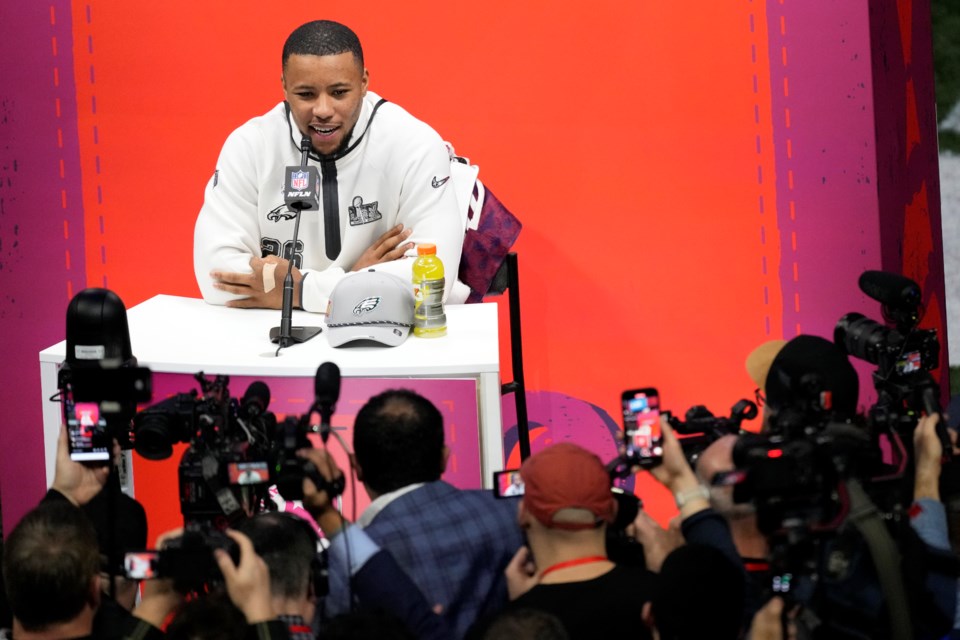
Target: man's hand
(159,597)
(674,473)
(768,623)
(521,573)
(79,481)
(928,452)
(390,246)
(657,542)
(248,583)
(315,500)
(253,287)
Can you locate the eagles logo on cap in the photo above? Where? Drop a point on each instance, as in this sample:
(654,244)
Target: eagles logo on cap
(370,306)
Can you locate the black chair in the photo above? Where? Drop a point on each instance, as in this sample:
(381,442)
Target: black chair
(507,278)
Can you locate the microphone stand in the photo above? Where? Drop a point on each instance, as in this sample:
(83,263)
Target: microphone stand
(286,335)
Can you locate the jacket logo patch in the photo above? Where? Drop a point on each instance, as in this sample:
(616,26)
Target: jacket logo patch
(366,305)
(280,213)
(363,213)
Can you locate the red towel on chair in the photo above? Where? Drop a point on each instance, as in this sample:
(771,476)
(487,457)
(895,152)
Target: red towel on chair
(486,242)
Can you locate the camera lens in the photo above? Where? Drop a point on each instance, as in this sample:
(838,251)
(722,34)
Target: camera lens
(152,437)
(861,337)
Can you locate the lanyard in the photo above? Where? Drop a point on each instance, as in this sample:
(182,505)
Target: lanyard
(571,563)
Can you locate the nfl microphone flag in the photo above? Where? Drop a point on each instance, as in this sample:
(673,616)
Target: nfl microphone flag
(301,188)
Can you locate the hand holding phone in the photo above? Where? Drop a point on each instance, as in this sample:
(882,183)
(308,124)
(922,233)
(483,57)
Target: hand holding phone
(86,432)
(641,425)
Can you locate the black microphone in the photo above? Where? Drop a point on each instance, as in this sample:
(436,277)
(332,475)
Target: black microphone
(891,289)
(301,185)
(326,392)
(301,190)
(256,399)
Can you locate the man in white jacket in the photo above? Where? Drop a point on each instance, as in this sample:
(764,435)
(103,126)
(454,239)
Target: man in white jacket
(385,186)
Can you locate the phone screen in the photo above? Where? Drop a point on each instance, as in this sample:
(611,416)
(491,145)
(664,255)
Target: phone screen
(641,424)
(140,565)
(246,473)
(87,432)
(508,483)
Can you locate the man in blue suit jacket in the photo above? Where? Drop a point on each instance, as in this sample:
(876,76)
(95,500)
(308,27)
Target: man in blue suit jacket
(454,544)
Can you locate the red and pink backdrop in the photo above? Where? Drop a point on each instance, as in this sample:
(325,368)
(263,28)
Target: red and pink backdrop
(693,178)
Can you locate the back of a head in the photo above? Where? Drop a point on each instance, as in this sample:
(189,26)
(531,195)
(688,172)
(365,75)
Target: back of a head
(567,489)
(808,369)
(369,624)
(699,580)
(288,545)
(120,522)
(525,624)
(50,562)
(322,38)
(398,441)
(210,617)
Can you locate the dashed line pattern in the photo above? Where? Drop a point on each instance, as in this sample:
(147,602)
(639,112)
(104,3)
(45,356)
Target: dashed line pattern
(64,203)
(101,226)
(759,149)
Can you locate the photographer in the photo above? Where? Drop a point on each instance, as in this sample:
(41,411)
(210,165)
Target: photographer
(247,584)
(690,569)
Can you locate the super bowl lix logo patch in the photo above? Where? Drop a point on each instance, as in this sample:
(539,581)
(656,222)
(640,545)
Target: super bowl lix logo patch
(363,213)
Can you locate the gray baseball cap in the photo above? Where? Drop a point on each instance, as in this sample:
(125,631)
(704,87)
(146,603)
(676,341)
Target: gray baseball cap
(370,305)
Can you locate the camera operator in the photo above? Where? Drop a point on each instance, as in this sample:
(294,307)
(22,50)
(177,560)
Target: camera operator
(928,514)
(288,544)
(75,484)
(247,584)
(51,567)
(700,526)
(859,572)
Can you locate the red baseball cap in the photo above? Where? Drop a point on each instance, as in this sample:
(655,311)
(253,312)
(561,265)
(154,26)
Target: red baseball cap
(565,476)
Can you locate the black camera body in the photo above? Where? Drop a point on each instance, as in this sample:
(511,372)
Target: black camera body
(224,473)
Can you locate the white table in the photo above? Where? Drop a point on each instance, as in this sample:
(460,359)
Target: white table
(171,334)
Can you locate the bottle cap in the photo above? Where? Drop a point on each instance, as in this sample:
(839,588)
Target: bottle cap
(426,249)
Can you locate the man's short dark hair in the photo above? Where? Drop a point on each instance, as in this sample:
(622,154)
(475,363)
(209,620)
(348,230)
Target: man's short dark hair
(322,38)
(398,440)
(288,546)
(526,624)
(701,580)
(50,561)
(212,617)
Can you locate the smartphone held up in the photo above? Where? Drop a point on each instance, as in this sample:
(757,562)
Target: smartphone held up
(643,436)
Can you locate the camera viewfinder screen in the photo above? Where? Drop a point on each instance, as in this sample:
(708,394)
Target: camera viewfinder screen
(509,484)
(247,473)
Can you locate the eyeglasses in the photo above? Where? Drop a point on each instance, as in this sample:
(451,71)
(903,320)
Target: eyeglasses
(758,394)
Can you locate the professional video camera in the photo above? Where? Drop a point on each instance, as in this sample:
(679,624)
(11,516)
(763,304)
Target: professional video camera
(831,489)
(237,449)
(225,472)
(904,355)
